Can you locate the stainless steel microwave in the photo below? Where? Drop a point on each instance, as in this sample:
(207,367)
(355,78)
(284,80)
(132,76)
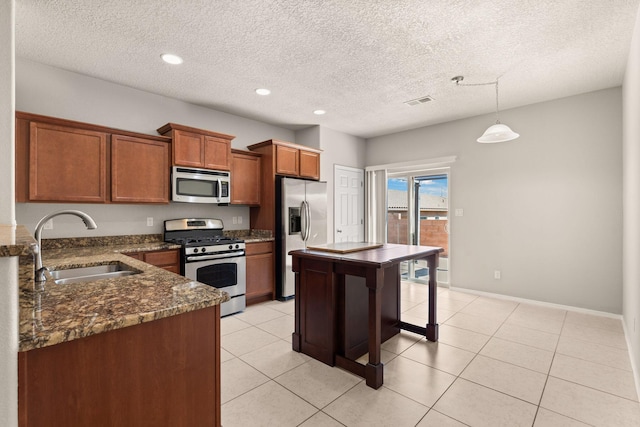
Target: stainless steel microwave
(192,185)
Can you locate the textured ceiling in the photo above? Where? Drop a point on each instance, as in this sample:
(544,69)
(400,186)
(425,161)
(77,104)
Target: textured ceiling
(359,60)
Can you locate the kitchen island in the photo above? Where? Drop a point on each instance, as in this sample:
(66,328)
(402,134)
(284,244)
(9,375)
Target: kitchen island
(137,350)
(348,302)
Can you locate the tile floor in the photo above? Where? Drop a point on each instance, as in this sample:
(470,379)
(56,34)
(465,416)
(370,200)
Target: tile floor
(498,363)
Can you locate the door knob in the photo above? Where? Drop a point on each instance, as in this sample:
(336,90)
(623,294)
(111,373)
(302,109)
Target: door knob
(339,231)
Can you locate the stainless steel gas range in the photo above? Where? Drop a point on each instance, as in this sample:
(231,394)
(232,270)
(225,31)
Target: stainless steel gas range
(211,258)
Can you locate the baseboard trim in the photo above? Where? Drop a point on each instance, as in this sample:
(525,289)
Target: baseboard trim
(536,302)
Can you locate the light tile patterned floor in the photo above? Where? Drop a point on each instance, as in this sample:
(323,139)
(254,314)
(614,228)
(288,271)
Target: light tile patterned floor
(498,363)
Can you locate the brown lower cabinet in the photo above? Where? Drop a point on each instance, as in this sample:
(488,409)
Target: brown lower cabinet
(260,272)
(161,373)
(169,259)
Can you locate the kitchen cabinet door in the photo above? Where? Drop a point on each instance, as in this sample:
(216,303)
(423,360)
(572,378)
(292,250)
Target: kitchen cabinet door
(245,178)
(188,149)
(309,164)
(217,153)
(67,164)
(287,160)
(260,272)
(140,170)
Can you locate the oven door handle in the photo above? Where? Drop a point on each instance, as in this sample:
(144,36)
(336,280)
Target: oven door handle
(215,256)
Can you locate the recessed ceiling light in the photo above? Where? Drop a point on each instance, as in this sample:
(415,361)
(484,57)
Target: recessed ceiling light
(263,91)
(171,59)
(319,112)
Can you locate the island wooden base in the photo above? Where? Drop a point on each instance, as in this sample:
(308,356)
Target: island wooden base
(348,305)
(160,373)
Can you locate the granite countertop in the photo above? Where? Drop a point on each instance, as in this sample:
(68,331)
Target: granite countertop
(52,314)
(258,239)
(15,241)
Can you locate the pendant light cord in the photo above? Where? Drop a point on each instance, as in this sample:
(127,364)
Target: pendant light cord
(497,118)
(459,79)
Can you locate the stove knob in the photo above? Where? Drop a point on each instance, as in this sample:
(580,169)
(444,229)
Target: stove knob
(237,246)
(230,246)
(195,250)
(203,250)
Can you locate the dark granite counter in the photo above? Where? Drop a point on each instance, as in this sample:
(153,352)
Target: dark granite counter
(251,236)
(51,313)
(16,241)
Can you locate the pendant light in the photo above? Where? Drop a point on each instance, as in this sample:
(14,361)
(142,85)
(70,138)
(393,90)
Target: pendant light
(495,133)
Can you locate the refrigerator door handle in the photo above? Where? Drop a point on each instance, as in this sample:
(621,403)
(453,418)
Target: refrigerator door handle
(306,204)
(305,220)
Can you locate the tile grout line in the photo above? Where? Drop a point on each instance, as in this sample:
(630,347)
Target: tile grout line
(546,380)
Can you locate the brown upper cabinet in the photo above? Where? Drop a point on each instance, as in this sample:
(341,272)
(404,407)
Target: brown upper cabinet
(291,159)
(65,161)
(198,148)
(131,183)
(245,178)
(66,164)
(280,158)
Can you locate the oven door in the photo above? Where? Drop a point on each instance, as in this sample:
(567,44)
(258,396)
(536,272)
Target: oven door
(226,274)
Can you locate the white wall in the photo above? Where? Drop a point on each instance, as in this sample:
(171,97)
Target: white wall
(8,266)
(544,209)
(338,148)
(310,137)
(631,200)
(50,91)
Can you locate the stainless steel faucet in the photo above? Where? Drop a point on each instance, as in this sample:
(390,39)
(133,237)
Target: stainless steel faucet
(88,221)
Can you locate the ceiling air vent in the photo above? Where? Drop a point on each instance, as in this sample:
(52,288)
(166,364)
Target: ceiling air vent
(418,101)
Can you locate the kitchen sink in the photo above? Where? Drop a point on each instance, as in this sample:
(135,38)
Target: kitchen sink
(92,273)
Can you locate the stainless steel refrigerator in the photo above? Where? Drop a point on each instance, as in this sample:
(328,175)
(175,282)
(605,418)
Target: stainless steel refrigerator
(301,215)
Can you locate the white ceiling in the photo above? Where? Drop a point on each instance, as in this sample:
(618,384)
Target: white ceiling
(358,59)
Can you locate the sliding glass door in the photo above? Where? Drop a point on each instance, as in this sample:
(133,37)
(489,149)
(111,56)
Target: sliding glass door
(418,214)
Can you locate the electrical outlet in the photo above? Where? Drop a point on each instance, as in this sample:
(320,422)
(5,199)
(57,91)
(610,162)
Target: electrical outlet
(49,225)
(235,219)
(459,212)
(496,274)
(239,220)
(149,221)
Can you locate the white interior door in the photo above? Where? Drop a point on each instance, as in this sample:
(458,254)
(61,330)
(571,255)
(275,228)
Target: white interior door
(348,207)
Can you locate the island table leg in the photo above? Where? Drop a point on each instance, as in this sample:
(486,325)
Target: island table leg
(374,369)
(432,326)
